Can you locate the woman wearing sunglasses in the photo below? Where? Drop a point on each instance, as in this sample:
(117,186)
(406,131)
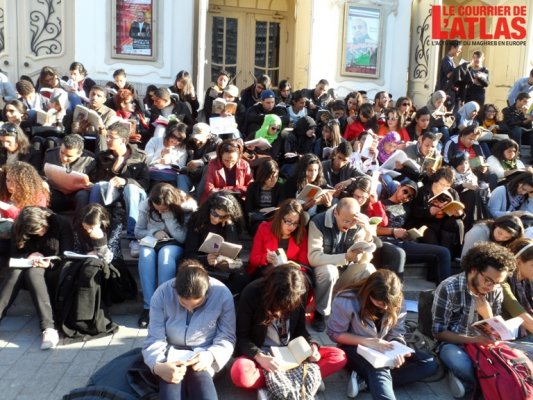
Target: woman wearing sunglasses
(130,109)
(166,155)
(15,146)
(394,123)
(220,214)
(270,131)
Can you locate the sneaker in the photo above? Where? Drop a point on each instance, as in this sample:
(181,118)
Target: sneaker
(50,339)
(262,394)
(319,322)
(353,386)
(457,388)
(144,319)
(134,249)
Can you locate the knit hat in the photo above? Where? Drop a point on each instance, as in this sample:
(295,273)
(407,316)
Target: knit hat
(267,94)
(410,184)
(200,131)
(232,90)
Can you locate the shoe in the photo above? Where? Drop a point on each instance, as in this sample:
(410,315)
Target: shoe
(50,339)
(457,388)
(319,322)
(353,386)
(134,249)
(322,387)
(262,394)
(144,319)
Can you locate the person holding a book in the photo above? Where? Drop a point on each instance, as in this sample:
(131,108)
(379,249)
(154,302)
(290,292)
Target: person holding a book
(466,115)
(370,313)
(338,171)
(271,312)
(130,109)
(331,236)
(516,119)
(38,234)
(461,300)
(263,195)
(438,111)
(215,91)
(79,81)
(420,124)
(514,195)
(49,83)
(165,106)
(164,216)
(365,120)
(15,146)
(31,99)
(220,214)
(505,160)
(228,171)
(284,93)
(270,131)
(184,87)
(329,140)
(251,95)
(191,335)
(425,153)
(255,114)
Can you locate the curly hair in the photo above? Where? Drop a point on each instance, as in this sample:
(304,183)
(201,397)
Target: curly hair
(482,115)
(123,95)
(301,170)
(446,173)
(284,288)
(28,187)
(488,254)
(221,200)
(164,194)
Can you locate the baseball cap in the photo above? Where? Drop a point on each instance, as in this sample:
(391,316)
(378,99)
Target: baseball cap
(267,94)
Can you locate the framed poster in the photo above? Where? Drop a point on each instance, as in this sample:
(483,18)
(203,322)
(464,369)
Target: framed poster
(134,29)
(360,44)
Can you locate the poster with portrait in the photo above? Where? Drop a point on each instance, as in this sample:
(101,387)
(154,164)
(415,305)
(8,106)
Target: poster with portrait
(360,46)
(134,29)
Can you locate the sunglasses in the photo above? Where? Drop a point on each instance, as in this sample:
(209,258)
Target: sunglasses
(290,223)
(407,193)
(274,127)
(392,119)
(406,104)
(216,215)
(8,130)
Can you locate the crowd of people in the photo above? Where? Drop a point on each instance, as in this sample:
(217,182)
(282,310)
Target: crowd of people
(337,194)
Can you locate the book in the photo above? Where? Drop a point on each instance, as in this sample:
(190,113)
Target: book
(375,220)
(260,143)
(445,201)
(64,180)
(324,114)
(490,134)
(477,162)
(151,241)
(221,106)
(82,113)
(222,125)
(214,243)
(268,211)
(416,233)
(385,359)
(496,328)
(363,247)
(27,262)
(111,194)
(180,356)
(370,143)
(310,192)
(401,157)
(281,257)
(292,355)
(47,92)
(78,256)
(291,155)
(433,163)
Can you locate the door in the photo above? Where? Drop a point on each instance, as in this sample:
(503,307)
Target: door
(229,46)
(33,34)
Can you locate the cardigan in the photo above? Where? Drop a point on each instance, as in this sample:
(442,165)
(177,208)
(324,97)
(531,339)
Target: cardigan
(216,178)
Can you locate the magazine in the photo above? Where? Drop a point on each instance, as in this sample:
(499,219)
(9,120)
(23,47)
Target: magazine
(497,328)
(214,243)
(65,181)
(292,355)
(385,359)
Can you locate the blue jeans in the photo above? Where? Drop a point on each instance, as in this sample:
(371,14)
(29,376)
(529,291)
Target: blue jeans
(456,360)
(184,183)
(163,175)
(195,385)
(157,266)
(132,194)
(380,381)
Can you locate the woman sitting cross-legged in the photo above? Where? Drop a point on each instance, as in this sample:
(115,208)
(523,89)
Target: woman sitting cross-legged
(372,313)
(163,216)
(271,313)
(192,313)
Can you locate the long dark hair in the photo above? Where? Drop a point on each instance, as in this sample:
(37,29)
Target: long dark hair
(221,200)
(284,288)
(523,178)
(510,224)
(301,170)
(92,214)
(30,221)
(499,148)
(286,207)
(164,194)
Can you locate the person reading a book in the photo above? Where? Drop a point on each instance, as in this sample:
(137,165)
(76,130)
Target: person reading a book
(220,214)
(516,119)
(15,146)
(128,107)
(30,98)
(121,174)
(437,108)
(338,171)
(420,124)
(287,232)
(251,95)
(515,195)
(194,315)
(424,152)
(165,106)
(365,120)
(49,83)
(462,299)
(444,229)
(38,233)
(329,140)
(502,230)
(215,91)
(80,82)
(505,159)
(271,132)
(466,115)
(490,118)
(255,114)
(184,87)
(388,145)
(518,289)
(164,216)
(394,123)
(284,93)
(263,195)
(371,313)
(21,186)
(297,143)
(271,312)
(331,236)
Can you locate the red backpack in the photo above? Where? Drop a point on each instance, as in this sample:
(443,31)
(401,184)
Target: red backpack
(503,373)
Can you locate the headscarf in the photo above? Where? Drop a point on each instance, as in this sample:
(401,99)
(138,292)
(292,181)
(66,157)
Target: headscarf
(465,111)
(263,132)
(439,94)
(391,137)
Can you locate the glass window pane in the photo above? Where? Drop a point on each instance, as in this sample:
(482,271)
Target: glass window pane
(231,40)
(260,43)
(217,42)
(273,45)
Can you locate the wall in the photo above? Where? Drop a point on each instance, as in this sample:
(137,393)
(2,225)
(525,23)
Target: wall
(326,40)
(175,52)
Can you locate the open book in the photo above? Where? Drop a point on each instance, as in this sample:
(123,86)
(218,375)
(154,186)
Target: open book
(260,143)
(385,359)
(416,233)
(444,200)
(310,192)
(268,211)
(281,257)
(44,118)
(27,262)
(293,354)
(151,241)
(214,243)
(363,247)
(82,113)
(370,142)
(491,134)
(497,328)
(433,163)
(400,156)
(181,356)
(476,162)
(222,106)
(222,125)
(65,181)
(78,256)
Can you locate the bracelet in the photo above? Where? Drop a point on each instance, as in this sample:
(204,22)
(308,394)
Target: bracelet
(393,230)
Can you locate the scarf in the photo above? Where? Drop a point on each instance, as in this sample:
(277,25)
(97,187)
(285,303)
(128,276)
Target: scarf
(465,111)
(391,137)
(508,164)
(264,131)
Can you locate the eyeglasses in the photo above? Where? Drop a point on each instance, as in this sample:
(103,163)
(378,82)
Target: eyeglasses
(8,130)
(406,104)
(290,223)
(216,215)
(274,127)
(489,281)
(490,111)
(361,196)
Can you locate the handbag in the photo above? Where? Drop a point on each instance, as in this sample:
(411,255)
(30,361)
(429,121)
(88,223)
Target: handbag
(300,383)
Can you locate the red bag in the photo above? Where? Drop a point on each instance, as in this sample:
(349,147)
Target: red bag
(503,373)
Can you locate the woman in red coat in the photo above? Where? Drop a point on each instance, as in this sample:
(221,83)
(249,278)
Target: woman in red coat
(286,231)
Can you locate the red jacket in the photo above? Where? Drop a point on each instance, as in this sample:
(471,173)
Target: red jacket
(216,178)
(353,130)
(265,240)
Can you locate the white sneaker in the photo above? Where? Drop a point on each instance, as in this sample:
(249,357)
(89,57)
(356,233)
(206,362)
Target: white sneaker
(353,386)
(50,339)
(457,388)
(135,248)
(262,394)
